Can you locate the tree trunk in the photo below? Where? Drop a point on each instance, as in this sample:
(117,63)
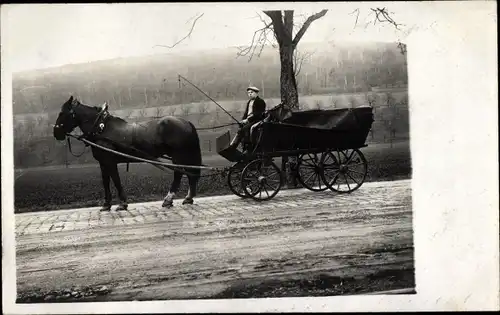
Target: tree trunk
(288,89)
(289,97)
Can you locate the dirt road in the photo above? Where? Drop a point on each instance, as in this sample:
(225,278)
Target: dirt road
(300,243)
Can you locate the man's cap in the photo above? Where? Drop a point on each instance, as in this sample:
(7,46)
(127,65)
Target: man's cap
(253,88)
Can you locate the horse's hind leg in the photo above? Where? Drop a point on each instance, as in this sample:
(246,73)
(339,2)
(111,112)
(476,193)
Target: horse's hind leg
(193,182)
(168,201)
(115,176)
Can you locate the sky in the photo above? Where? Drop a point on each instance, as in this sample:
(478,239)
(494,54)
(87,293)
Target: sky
(47,35)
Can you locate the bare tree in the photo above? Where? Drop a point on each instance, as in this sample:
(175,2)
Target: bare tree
(170,110)
(202,111)
(186,110)
(381,15)
(352,102)
(142,112)
(158,112)
(187,35)
(318,104)
(298,60)
(392,117)
(370,98)
(203,108)
(282,27)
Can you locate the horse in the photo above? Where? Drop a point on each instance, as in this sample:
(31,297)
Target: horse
(171,136)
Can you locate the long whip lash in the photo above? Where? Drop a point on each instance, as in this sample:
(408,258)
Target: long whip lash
(179,78)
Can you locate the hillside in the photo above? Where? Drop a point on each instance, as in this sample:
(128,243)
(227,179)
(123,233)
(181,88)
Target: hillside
(151,81)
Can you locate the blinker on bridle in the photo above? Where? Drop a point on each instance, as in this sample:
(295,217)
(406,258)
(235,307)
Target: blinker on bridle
(71,111)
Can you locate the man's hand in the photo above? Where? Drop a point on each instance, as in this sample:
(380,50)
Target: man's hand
(244,121)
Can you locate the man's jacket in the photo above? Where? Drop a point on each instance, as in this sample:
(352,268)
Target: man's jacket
(258,109)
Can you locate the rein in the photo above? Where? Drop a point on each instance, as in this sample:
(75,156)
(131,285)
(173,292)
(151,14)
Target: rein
(71,150)
(217,127)
(153,162)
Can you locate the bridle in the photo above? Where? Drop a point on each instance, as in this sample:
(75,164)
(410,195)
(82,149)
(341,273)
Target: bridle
(97,126)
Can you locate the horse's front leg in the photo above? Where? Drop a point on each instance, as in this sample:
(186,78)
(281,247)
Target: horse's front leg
(107,190)
(168,201)
(115,176)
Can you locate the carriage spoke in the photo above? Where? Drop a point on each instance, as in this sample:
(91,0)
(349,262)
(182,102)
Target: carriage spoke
(347,182)
(353,179)
(335,171)
(309,166)
(271,187)
(313,181)
(350,157)
(252,187)
(319,182)
(332,167)
(275,181)
(352,167)
(307,163)
(357,164)
(357,172)
(334,179)
(265,179)
(309,177)
(265,189)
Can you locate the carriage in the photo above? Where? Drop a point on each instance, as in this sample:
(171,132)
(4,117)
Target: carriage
(326,144)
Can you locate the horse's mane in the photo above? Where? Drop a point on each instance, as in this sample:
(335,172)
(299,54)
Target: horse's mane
(98,109)
(119,119)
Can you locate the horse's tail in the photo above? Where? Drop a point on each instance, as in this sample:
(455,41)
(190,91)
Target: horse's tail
(196,151)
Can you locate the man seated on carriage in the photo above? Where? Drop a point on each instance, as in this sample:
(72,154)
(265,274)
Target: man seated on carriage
(254,113)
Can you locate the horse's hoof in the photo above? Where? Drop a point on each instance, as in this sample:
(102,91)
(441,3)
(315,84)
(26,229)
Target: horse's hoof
(167,204)
(105,208)
(122,207)
(187,201)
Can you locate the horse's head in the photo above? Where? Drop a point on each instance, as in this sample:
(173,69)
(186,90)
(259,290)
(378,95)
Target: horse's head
(66,121)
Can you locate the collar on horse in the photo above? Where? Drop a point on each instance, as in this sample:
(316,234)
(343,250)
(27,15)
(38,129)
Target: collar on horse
(99,122)
(96,129)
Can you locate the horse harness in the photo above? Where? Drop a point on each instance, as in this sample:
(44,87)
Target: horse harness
(97,127)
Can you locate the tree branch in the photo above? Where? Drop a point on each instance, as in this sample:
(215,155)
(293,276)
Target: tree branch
(261,35)
(188,35)
(402,48)
(306,25)
(298,60)
(381,15)
(278,27)
(357,16)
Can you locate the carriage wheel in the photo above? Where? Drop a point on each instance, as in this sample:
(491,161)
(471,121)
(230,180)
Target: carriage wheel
(344,171)
(234,180)
(261,179)
(309,172)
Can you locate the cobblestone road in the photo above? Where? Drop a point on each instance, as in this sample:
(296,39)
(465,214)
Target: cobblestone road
(219,244)
(368,197)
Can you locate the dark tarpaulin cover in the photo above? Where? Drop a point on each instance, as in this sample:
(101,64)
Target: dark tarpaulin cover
(335,128)
(343,118)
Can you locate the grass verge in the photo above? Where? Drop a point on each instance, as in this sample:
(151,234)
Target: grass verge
(63,188)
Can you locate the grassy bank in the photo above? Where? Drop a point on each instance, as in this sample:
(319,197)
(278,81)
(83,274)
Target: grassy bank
(62,188)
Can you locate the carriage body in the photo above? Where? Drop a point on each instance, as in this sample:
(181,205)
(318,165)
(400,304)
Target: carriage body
(314,137)
(316,131)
